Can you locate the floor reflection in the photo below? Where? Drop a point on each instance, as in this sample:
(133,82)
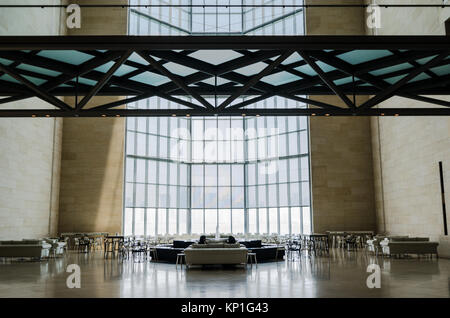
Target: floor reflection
(341,274)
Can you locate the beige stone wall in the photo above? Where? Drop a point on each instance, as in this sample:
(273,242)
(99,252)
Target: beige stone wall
(407,149)
(30,148)
(93,148)
(341,164)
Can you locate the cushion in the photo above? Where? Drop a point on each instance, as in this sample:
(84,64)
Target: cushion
(220,240)
(181,244)
(211,245)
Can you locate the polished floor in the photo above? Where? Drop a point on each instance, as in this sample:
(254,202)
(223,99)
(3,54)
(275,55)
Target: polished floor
(342,274)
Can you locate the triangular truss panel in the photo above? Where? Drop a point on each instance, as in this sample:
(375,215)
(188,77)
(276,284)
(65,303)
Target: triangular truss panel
(224,75)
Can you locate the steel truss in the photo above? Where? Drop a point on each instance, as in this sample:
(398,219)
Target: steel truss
(408,57)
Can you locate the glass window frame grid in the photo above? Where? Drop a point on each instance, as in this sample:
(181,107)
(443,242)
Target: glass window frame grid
(245,163)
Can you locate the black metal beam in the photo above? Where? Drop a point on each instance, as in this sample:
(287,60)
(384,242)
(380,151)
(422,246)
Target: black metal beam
(103,80)
(255,79)
(390,91)
(175,79)
(223,42)
(325,79)
(225,112)
(39,93)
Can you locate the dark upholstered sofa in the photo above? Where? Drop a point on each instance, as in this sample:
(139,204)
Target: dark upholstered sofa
(168,252)
(264,252)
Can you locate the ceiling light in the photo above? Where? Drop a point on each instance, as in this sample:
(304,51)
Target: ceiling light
(47,115)
(117,115)
(33,115)
(313,114)
(188,115)
(243,115)
(327,114)
(103,115)
(174,115)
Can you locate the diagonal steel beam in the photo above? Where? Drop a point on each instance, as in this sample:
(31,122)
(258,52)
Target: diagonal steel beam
(104,80)
(390,91)
(175,79)
(255,79)
(39,92)
(325,79)
(376,81)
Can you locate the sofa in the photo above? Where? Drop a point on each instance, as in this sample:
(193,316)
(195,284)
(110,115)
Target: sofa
(217,253)
(264,252)
(411,245)
(25,249)
(168,252)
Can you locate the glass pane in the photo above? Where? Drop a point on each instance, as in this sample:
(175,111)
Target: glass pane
(140,170)
(306,220)
(225,221)
(140,195)
(172,221)
(295,220)
(284,221)
(162,221)
(151,196)
(197,221)
(224,175)
(210,221)
(263,221)
(295,193)
(238,221)
(238,197)
(273,220)
(182,221)
(224,197)
(151,215)
(210,197)
(252,221)
(139,221)
(305,193)
(238,175)
(210,175)
(128,222)
(197,197)
(197,175)
(272,195)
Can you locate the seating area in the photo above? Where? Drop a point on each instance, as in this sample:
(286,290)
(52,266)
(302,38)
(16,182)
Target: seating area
(32,249)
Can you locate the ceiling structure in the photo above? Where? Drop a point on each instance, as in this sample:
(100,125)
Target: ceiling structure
(224,75)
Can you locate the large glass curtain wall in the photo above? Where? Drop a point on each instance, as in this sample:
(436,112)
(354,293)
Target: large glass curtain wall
(199,175)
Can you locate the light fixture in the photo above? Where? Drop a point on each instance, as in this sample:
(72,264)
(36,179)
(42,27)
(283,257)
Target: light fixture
(33,115)
(174,115)
(103,115)
(327,114)
(257,115)
(188,115)
(117,115)
(47,115)
(396,115)
(313,114)
(243,115)
(382,114)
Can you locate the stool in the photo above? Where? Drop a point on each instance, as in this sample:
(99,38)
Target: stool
(251,258)
(181,257)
